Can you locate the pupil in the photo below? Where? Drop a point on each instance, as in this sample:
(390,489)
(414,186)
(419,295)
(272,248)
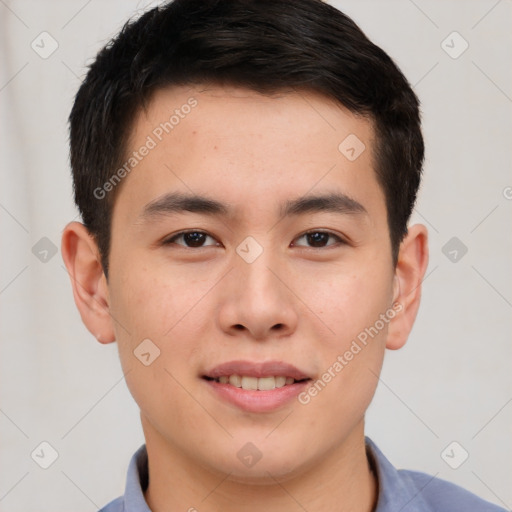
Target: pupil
(194,239)
(317,239)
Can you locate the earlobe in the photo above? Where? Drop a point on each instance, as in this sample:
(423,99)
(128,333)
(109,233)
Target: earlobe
(81,257)
(409,273)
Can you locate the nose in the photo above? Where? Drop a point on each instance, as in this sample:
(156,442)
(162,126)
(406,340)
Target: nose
(257,301)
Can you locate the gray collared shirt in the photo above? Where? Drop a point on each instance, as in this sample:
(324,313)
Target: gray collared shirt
(399,490)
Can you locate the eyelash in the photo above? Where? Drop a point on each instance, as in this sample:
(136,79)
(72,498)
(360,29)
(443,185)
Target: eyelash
(171,240)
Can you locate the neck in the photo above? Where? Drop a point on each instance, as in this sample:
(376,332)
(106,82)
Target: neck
(341,481)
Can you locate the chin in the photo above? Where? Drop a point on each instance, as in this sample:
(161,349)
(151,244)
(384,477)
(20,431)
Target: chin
(265,472)
(262,462)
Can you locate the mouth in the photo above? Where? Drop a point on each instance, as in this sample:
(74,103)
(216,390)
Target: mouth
(250,383)
(256,387)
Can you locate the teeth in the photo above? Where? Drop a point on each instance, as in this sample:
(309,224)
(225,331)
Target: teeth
(280,382)
(253,383)
(235,380)
(250,383)
(266,383)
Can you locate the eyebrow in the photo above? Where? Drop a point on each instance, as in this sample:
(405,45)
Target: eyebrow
(175,202)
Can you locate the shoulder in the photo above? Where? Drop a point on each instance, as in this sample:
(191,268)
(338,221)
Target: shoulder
(116,505)
(414,491)
(443,496)
(136,482)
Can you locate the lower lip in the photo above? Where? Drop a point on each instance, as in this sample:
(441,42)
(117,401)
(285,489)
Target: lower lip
(257,401)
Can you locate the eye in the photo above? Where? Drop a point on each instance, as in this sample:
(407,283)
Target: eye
(189,239)
(197,239)
(319,239)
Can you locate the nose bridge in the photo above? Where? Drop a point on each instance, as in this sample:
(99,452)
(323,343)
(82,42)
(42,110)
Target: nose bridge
(257,274)
(256,297)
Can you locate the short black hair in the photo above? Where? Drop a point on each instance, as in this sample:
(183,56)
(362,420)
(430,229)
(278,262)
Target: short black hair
(264,45)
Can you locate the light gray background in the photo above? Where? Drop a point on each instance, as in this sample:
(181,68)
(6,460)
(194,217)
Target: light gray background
(452,381)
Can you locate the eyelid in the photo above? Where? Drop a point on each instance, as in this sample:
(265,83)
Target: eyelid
(340,239)
(168,240)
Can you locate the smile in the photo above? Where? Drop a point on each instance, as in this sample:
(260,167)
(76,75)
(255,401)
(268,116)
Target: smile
(256,386)
(254,383)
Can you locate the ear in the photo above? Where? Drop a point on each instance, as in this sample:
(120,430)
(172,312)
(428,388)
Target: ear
(409,273)
(90,290)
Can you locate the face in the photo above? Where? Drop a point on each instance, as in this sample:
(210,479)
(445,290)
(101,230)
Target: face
(281,267)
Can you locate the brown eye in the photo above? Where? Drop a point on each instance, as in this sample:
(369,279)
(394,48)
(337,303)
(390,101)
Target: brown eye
(190,239)
(319,239)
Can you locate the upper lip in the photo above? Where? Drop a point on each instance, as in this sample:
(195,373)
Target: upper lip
(256,369)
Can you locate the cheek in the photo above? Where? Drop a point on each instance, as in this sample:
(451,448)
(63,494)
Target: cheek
(356,307)
(150,306)
(151,300)
(348,302)
(350,364)
(155,337)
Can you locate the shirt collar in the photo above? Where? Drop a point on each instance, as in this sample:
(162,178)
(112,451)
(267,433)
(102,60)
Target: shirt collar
(396,492)
(136,482)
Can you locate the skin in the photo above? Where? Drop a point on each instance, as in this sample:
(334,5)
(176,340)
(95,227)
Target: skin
(206,305)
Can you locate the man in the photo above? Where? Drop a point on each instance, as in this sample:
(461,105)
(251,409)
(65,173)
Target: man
(245,171)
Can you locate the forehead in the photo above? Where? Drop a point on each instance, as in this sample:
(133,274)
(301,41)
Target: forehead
(246,148)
